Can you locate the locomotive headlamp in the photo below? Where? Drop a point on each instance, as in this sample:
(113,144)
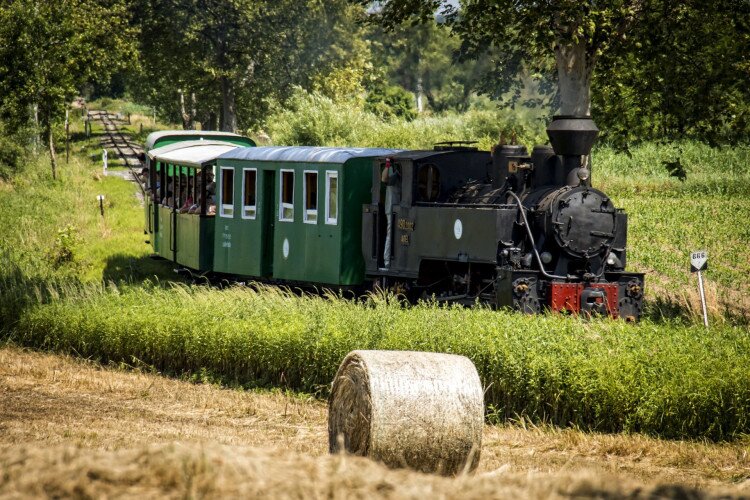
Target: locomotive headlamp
(584,174)
(612,260)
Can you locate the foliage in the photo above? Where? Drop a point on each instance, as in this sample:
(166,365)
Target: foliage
(424,58)
(63,249)
(312,119)
(390,101)
(12,154)
(658,69)
(224,59)
(49,49)
(682,72)
(539,36)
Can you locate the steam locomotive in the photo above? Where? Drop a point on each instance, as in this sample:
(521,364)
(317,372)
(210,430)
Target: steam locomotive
(506,228)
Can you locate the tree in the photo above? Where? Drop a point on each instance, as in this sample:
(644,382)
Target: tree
(567,35)
(684,71)
(49,49)
(233,56)
(422,59)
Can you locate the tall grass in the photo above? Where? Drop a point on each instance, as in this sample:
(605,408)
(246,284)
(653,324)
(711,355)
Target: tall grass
(663,379)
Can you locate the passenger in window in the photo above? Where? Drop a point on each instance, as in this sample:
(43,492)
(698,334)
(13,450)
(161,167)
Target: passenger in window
(168,195)
(188,199)
(195,207)
(210,188)
(391,177)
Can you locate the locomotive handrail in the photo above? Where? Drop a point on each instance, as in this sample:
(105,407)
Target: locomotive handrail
(531,238)
(463,205)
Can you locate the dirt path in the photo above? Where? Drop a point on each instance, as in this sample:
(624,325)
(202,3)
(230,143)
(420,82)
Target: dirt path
(72,427)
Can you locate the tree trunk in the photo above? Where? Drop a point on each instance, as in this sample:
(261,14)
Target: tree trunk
(193,110)
(419,92)
(228,106)
(574,69)
(37,139)
(187,119)
(52,156)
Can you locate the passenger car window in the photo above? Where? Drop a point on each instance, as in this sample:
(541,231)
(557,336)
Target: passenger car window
(286,208)
(227,192)
(332,201)
(249,193)
(311,197)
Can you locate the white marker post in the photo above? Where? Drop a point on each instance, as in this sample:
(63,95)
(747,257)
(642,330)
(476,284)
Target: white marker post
(101,204)
(104,161)
(698,263)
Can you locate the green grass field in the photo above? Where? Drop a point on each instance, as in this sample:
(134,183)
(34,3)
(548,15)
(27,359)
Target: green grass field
(73,281)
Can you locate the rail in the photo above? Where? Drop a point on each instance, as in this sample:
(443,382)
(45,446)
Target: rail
(126,150)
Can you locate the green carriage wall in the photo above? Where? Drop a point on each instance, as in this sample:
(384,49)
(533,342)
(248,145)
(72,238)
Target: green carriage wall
(319,253)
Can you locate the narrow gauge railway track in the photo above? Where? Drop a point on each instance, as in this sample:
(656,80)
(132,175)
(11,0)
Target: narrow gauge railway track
(128,151)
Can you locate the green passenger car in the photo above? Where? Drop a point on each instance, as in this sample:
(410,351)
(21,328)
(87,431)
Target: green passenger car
(293,214)
(184,229)
(163,138)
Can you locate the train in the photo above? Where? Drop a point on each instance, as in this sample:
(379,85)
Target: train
(504,227)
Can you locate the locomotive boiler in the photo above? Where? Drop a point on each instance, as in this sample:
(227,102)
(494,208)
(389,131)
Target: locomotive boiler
(511,229)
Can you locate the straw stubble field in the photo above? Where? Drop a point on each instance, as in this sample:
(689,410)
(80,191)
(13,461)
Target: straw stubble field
(74,428)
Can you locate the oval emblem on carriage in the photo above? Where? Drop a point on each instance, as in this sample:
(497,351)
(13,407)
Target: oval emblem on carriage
(458,229)
(285,248)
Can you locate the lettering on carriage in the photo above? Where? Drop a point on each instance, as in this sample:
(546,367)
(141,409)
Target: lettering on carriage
(405,239)
(227,239)
(406,224)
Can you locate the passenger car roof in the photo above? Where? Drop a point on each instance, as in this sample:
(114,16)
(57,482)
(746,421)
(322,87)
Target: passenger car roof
(191,153)
(153,137)
(304,154)
(427,153)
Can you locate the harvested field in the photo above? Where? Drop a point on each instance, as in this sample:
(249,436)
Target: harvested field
(70,427)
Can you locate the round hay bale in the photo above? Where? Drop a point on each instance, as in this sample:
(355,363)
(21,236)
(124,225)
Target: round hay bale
(408,409)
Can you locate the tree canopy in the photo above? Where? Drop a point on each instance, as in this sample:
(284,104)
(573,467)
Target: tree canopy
(48,50)
(233,55)
(659,68)
(644,68)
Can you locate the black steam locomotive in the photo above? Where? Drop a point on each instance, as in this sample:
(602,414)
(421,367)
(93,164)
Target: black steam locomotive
(506,228)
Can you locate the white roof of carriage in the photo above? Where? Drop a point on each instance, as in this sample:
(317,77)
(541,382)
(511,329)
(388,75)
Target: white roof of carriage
(191,153)
(304,154)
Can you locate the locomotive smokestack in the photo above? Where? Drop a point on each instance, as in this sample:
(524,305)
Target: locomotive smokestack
(572,137)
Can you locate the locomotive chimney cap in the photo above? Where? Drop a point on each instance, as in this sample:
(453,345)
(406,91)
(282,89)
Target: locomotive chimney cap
(572,135)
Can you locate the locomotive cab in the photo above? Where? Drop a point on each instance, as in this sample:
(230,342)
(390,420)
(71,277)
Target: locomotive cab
(426,179)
